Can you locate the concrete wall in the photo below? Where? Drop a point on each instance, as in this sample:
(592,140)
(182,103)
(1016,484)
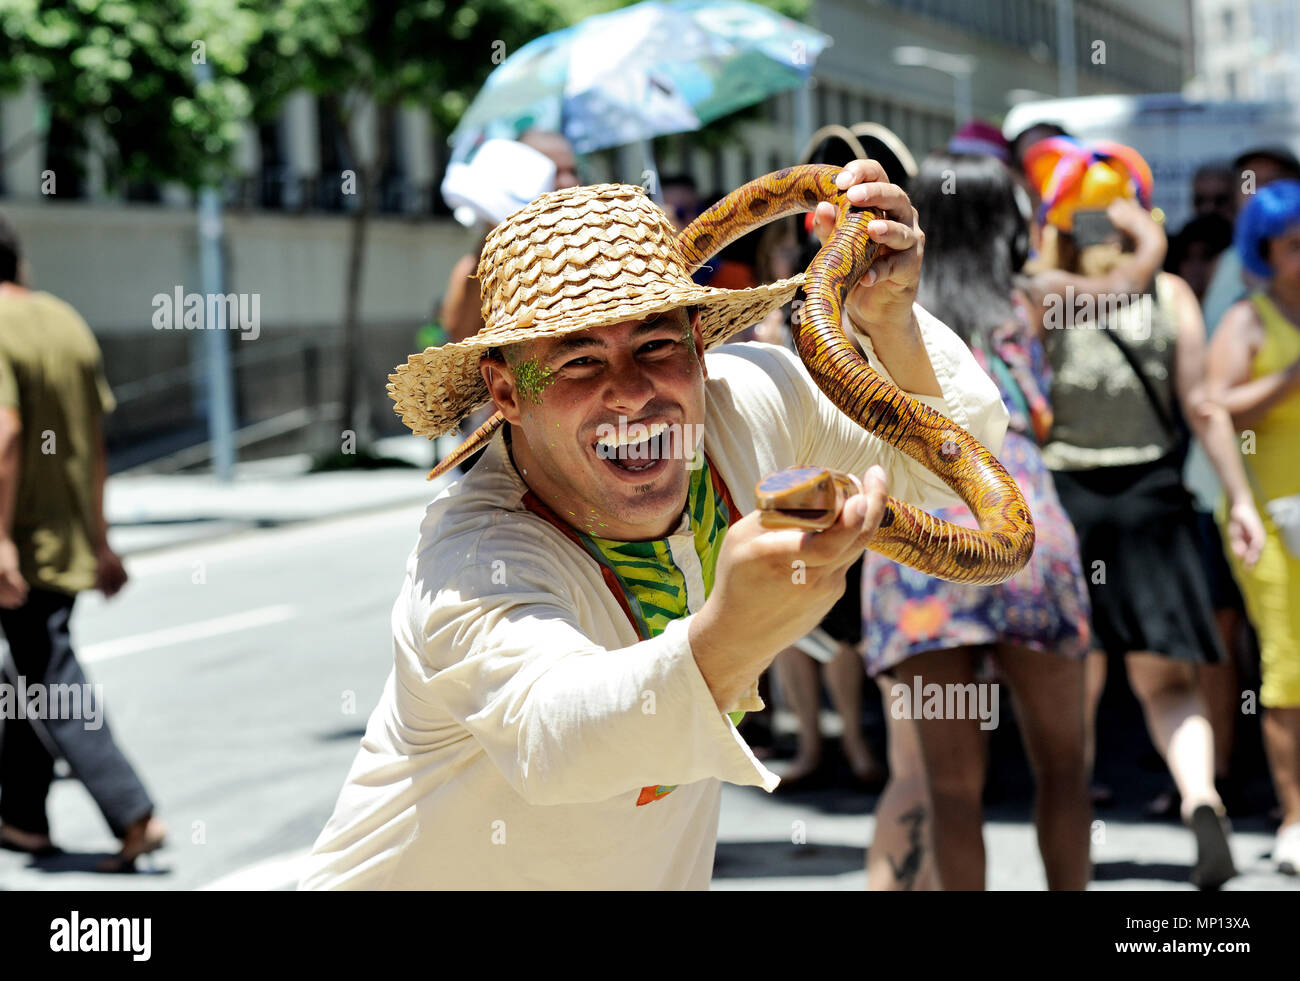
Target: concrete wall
(109,261)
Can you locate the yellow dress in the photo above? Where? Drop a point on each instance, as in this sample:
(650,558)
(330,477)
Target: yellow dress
(1272,588)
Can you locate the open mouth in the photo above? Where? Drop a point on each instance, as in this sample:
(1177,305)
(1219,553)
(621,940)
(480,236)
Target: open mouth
(625,453)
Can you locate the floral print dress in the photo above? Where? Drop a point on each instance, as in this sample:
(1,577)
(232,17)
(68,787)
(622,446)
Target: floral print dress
(1043,607)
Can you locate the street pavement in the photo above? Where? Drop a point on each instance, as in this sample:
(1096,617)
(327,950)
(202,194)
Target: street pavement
(239,673)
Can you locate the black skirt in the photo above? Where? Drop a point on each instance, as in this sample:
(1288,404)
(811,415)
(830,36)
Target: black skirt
(844,621)
(1138,541)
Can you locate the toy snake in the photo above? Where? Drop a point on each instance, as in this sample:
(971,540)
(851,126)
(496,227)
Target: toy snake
(810,496)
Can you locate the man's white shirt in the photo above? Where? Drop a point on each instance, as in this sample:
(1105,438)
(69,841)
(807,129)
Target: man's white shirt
(523,716)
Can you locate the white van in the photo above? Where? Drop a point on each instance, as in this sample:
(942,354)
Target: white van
(1174,135)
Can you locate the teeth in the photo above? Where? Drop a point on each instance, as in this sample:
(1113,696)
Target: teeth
(629,436)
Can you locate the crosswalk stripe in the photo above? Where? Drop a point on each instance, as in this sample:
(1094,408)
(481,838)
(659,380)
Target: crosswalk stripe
(170,636)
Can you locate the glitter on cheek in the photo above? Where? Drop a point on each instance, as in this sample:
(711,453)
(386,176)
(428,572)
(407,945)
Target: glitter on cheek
(532,379)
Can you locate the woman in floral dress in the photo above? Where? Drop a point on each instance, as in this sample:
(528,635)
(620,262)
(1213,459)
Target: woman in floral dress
(921,631)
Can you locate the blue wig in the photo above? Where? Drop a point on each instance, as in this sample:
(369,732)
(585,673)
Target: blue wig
(1271,211)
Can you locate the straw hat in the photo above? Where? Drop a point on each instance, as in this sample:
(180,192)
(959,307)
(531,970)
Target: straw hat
(574,259)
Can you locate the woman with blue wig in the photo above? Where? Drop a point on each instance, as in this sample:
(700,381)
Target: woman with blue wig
(1255,371)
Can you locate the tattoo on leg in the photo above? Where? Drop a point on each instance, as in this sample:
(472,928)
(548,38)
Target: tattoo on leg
(906,871)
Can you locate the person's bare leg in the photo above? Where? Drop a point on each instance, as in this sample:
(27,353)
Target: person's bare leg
(1049,696)
(797,675)
(1282,746)
(1094,678)
(1176,719)
(28,841)
(955,755)
(1222,692)
(844,677)
(901,855)
(1175,714)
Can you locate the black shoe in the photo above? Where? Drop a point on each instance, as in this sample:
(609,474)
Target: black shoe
(1214,864)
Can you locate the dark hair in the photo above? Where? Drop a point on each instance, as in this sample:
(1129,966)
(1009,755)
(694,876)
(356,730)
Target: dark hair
(1280,155)
(1215,168)
(11,253)
(966,204)
(1030,135)
(1211,230)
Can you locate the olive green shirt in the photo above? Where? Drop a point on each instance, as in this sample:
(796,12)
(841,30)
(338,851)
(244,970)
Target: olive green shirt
(52,373)
(1103,416)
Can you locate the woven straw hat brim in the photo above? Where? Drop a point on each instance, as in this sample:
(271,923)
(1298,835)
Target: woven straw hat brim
(439,386)
(572,260)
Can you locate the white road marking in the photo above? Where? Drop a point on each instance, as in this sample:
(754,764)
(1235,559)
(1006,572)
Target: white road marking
(257,543)
(270,874)
(169,636)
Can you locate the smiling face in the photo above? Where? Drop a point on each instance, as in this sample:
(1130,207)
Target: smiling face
(588,413)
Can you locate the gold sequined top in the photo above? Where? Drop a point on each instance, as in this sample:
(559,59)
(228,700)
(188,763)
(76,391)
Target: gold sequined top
(1103,416)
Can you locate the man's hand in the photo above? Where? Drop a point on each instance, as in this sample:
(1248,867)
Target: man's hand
(13,587)
(880,303)
(773,587)
(110,574)
(883,297)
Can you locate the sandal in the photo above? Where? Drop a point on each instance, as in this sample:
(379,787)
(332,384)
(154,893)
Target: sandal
(144,836)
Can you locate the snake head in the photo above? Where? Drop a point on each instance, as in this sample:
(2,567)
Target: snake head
(803,497)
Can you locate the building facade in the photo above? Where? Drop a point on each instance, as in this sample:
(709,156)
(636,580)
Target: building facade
(112,253)
(1246,50)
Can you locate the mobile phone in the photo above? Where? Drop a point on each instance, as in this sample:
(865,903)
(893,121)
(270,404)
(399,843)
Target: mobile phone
(1095,228)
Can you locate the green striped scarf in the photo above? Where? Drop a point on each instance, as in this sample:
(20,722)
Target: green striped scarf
(655,589)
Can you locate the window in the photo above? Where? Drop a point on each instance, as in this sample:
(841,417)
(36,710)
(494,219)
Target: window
(394,187)
(274,172)
(333,159)
(440,157)
(65,150)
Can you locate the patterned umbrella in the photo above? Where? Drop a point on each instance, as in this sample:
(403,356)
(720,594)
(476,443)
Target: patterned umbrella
(640,72)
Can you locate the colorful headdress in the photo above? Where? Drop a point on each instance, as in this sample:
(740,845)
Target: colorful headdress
(1075,176)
